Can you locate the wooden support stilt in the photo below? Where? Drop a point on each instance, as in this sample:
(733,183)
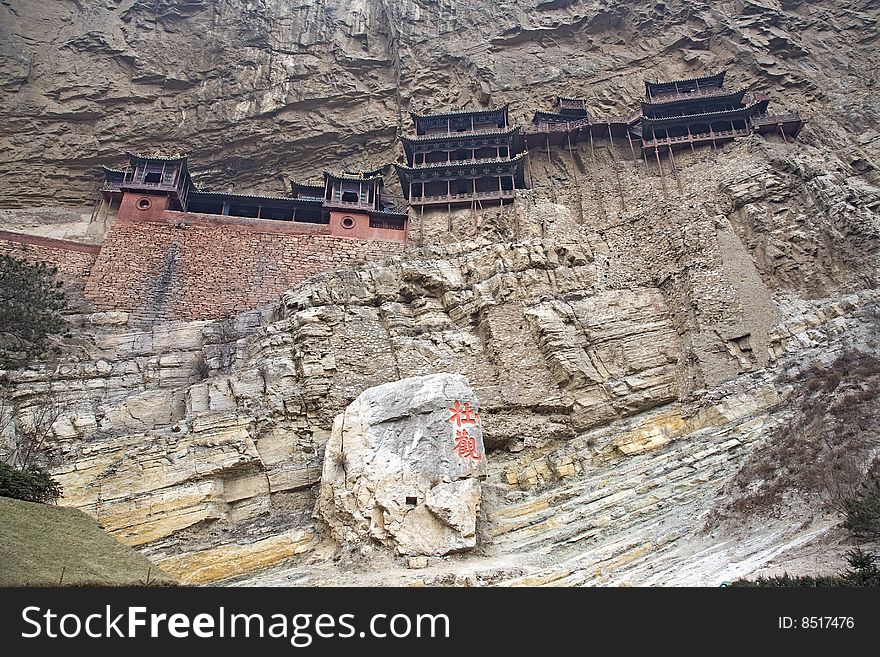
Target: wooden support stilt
(675,170)
(577,185)
(660,166)
(595,178)
(617,177)
(630,140)
(96,209)
(547,142)
(610,136)
(515,222)
(782,131)
(421,225)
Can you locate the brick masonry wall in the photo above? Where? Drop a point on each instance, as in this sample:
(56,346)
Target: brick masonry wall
(73,260)
(189,266)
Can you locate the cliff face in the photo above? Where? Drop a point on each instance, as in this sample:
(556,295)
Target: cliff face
(258,89)
(632,351)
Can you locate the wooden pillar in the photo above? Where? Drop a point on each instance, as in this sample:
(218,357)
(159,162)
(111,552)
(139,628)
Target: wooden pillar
(617,178)
(662,180)
(259,210)
(610,136)
(515,222)
(782,132)
(675,169)
(225,210)
(293,218)
(549,161)
(631,149)
(577,186)
(593,175)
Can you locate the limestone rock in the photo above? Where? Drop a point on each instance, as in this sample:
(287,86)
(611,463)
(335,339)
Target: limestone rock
(403,466)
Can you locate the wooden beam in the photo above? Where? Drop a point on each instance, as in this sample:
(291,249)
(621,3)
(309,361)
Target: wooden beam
(595,178)
(577,186)
(631,149)
(675,170)
(662,179)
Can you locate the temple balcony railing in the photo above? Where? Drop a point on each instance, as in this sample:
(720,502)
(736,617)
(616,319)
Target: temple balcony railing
(546,128)
(703,136)
(466,196)
(465,133)
(387,225)
(354,205)
(775,119)
(573,104)
(673,96)
(570,126)
(140,183)
(440,165)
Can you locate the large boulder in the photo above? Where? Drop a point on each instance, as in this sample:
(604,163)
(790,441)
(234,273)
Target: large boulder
(403,467)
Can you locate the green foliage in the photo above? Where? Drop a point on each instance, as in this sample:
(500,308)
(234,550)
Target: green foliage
(863,571)
(31,484)
(863,511)
(786,580)
(30,309)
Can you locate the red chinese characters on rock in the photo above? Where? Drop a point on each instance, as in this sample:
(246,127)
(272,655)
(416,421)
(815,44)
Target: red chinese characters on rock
(465,444)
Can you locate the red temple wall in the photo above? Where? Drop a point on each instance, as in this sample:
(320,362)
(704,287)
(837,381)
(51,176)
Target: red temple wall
(188,266)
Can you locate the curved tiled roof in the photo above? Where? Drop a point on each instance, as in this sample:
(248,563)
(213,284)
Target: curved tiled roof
(719,77)
(162,158)
(719,93)
(710,115)
(256,197)
(364,177)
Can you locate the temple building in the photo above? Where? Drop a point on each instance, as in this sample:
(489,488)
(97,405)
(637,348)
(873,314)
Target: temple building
(571,122)
(467,157)
(682,113)
(350,204)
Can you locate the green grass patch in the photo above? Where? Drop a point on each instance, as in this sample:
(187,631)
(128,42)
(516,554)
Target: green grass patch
(43,545)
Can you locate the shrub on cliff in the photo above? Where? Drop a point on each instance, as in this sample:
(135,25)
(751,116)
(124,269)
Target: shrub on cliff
(863,571)
(30,310)
(31,484)
(863,511)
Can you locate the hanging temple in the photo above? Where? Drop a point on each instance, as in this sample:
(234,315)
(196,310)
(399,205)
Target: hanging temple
(459,158)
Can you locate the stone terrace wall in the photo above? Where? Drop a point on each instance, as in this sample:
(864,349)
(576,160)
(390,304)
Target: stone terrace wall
(73,260)
(188,266)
